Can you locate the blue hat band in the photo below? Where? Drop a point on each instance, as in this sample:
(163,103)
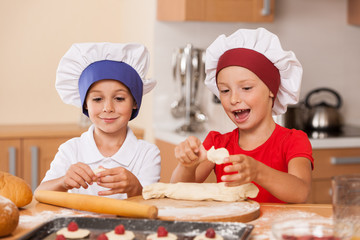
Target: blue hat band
(107,69)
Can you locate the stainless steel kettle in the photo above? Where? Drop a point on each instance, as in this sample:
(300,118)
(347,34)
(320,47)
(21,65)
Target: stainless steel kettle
(323,116)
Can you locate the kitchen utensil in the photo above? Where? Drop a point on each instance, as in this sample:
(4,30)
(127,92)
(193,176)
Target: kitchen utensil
(141,228)
(323,115)
(212,211)
(346,206)
(301,228)
(188,73)
(294,116)
(96,204)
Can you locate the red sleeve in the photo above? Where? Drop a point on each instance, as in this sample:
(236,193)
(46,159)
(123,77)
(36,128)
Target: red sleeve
(299,146)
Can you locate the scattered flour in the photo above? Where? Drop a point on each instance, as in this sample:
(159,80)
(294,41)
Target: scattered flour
(28,221)
(225,209)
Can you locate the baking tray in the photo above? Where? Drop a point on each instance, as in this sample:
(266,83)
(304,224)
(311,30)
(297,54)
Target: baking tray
(141,228)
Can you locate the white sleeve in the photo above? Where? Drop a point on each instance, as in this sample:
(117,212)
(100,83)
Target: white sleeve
(150,170)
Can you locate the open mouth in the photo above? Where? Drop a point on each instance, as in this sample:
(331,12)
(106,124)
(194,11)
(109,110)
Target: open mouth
(241,115)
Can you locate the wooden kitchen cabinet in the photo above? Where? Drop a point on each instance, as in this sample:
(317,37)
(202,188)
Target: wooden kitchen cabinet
(353,7)
(27,150)
(328,163)
(216,10)
(168,161)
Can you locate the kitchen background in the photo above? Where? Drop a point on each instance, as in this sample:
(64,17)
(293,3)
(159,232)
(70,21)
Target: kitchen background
(36,34)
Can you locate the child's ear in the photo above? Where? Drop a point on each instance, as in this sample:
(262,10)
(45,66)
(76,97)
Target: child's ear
(271,94)
(135,105)
(85,106)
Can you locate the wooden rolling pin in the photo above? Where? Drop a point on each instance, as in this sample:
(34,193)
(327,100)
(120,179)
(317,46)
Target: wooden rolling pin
(97,204)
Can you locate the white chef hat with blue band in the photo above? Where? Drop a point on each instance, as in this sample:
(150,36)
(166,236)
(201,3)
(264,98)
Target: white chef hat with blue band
(87,63)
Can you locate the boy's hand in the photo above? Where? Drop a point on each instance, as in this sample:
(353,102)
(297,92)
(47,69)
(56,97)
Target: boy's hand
(243,170)
(190,152)
(118,180)
(78,175)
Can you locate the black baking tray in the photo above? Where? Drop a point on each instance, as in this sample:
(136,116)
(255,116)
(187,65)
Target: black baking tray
(141,228)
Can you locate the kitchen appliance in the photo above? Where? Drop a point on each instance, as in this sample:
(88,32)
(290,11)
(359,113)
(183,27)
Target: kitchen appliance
(322,115)
(189,73)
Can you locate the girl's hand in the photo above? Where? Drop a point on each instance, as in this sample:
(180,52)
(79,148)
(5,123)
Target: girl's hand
(190,152)
(245,170)
(78,175)
(118,180)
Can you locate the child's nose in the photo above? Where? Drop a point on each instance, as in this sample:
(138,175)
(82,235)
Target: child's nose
(235,98)
(108,106)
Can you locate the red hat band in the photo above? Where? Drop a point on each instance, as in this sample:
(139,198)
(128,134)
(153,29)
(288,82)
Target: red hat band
(255,62)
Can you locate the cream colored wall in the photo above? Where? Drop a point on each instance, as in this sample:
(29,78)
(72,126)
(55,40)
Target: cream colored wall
(35,35)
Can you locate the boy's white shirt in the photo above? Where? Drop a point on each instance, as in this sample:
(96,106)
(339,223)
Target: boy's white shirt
(138,156)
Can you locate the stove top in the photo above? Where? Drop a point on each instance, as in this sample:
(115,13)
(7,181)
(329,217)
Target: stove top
(345,131)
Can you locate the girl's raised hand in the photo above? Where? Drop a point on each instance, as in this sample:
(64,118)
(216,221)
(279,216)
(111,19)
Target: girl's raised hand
(118,180)
(78,175)
(190,152)
(244,169)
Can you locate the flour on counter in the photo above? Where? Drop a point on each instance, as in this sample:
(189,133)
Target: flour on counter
(28,221)
(226,209)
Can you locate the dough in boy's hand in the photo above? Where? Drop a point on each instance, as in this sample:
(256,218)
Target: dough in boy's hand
(217,155)
(100,169)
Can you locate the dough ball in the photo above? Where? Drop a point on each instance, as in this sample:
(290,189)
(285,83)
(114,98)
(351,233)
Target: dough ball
(15,189)
(162,234)
(210,234)
(217,155)
(119,233)
(73,231)
(100,169)
(9,216)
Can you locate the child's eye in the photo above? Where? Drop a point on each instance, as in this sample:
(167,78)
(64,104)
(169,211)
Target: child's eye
(224,90)
(247,88)
(97,99)
(119,99)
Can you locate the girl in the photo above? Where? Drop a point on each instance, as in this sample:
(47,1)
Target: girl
(107,81)
(254,78)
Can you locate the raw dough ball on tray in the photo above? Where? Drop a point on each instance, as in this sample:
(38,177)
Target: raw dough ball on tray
(72,231)
(119,233)
(162,234)
(210,234)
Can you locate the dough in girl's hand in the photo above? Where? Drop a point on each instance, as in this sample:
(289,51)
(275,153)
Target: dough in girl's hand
(217,155)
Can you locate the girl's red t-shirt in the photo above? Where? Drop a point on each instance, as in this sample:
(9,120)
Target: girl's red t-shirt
(283,145)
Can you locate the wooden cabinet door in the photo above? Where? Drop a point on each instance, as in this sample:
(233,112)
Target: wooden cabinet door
(216,10)
(10,155)
(38,154)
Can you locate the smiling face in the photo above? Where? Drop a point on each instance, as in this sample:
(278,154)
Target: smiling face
(245,98)
(110,106)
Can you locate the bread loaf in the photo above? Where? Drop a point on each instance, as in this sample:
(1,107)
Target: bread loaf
(15,189)
(9,216)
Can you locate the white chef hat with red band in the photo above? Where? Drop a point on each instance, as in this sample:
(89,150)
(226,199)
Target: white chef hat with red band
(259,51)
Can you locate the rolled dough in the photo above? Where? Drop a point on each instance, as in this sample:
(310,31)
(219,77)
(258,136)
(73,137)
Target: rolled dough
(217,155)
(200,191)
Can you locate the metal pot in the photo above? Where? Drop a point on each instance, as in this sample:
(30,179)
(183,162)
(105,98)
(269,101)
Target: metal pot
(322,115)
